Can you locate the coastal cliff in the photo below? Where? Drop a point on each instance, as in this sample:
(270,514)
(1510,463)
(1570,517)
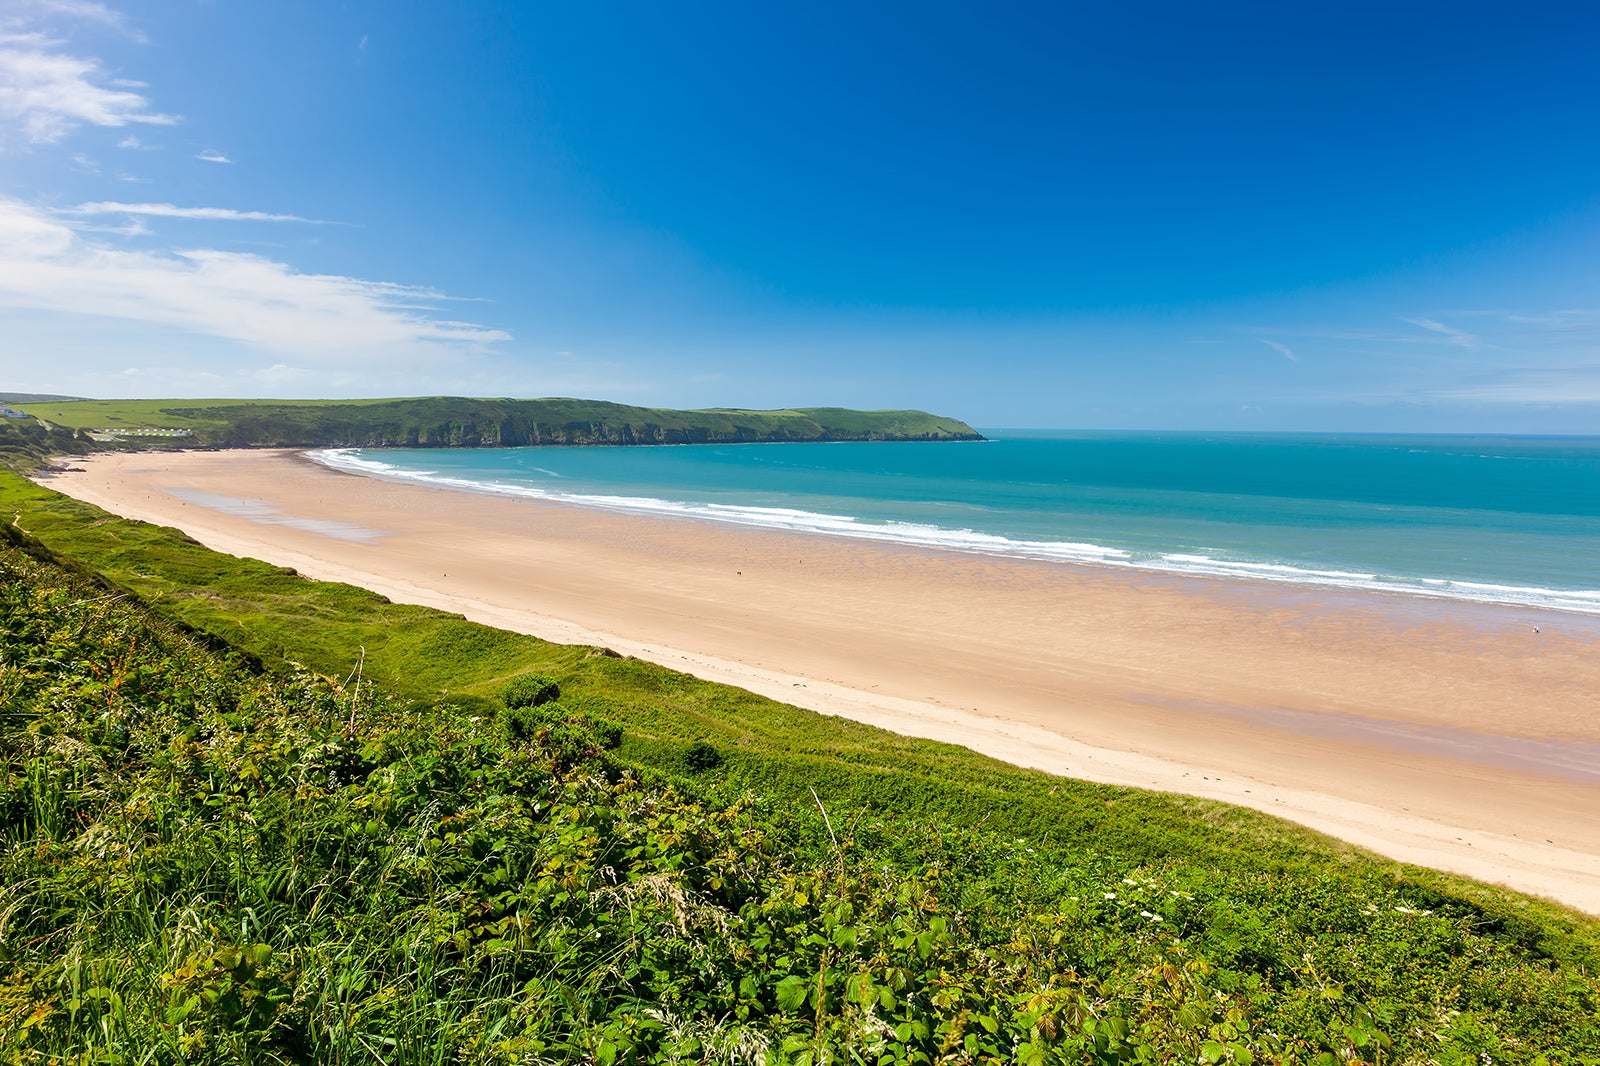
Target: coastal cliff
(460,422)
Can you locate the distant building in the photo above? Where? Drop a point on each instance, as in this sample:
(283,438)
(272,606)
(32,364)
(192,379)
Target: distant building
(112,434)
(12,412)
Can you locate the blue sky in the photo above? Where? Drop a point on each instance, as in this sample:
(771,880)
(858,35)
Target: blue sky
(1259,216)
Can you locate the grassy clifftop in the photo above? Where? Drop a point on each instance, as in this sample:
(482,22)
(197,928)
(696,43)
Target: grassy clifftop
(24,442)
(454,421)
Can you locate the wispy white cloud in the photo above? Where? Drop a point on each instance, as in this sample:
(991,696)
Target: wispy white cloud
(48,266)
(133,227)
(211,155)
(1458,337)
(23,11)
(1567,323)
(1281,348)
(1545,385)
(1520,357)
(46,93)
(1499,334)
(218,214)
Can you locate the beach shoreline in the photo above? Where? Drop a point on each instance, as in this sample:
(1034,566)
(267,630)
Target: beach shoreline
(1450,736)
(1018,508)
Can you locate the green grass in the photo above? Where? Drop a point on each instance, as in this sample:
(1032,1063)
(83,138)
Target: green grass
(164,414)
(25,443)
(1296,945)
(445,421)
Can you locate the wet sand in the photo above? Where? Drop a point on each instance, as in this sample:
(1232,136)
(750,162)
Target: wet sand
(1447,735)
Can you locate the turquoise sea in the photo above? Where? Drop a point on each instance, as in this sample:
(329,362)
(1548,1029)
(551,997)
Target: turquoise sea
(1488,519)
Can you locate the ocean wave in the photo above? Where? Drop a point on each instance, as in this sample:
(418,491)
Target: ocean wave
(1265,569)
(1189,563)
(1577,601)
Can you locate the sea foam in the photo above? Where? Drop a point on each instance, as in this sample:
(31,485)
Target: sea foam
(1193,561)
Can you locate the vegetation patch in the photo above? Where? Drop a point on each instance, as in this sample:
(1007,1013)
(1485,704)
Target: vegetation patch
(702,756)
(530,690)
(25,442)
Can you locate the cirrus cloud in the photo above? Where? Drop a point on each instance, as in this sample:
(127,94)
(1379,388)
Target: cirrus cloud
(213,214)
(48,266)
(46,93)
(80,10)
(1459,337)
(1281,348)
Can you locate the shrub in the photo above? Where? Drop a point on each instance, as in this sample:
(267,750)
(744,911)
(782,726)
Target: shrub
(530,690)
(521,723)
(606,732)
(572,735)
(702,756)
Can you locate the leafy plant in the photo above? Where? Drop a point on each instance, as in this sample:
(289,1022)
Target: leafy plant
(702,756)
(530,690)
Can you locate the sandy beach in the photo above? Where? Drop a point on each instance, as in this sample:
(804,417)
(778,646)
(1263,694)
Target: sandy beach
(1455,736)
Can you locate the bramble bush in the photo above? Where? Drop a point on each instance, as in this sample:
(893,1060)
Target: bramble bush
(530,690)
(702,755)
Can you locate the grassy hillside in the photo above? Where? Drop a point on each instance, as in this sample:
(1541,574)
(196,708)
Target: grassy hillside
(24,442)
(448,421)
(205,842)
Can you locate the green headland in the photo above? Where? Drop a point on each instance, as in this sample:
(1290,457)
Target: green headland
(454,421)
